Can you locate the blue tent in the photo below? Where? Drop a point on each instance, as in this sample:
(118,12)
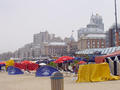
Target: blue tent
(45,71)
(1,65)
(13,70)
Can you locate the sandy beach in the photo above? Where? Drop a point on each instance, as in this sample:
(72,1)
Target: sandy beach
(30,82)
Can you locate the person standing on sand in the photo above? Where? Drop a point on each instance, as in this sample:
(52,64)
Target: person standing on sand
(26,69)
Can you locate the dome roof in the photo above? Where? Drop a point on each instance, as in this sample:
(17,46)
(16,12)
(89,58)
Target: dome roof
(95,19)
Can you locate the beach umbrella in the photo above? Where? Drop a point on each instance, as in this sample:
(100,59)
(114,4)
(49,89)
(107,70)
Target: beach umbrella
(78,58)
(42,64)
(63,58)
(26,62)
(82,62)
(2,62)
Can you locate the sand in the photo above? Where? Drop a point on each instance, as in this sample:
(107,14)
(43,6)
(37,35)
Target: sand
(30,82)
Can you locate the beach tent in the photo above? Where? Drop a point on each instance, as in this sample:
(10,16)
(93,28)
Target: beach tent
(95,73)
(45,71)
(101,59)
(2,64)
(114,64)
(13,70)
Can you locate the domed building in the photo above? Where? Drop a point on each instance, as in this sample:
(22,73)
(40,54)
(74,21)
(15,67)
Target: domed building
(96,26)
(96,22)
(93,35)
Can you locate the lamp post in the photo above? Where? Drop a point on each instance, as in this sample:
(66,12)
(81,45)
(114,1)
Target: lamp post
(116,27)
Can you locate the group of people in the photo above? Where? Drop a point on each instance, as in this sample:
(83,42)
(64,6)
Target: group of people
(68,67)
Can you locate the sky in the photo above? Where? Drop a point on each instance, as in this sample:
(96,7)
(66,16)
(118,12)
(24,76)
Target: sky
(21,19)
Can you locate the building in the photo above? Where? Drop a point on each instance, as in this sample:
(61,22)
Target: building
(44,44)
(111,36)
(72,45)
(56,49)
(92,41)
(36,49)
(95,26)
(41,37)
(93,35)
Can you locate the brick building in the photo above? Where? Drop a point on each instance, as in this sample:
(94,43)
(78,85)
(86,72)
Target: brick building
(92,41)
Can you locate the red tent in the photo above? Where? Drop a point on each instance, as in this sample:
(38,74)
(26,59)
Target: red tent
(101,59)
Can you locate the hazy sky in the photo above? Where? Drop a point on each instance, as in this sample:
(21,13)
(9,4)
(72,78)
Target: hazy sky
(20,19)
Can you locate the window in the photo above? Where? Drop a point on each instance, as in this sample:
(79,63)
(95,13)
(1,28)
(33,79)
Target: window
(102,46)
(88,46)
(102,43)
(88,42)
(98,43)
(93,46)
(93,42)
(97,46)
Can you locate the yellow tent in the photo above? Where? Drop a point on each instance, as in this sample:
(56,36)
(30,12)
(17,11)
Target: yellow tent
(94,73)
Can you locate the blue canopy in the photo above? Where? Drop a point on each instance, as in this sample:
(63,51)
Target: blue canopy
(13,70)
(45,71)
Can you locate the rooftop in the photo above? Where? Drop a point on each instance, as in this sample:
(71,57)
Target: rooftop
(96,36)
(57,43)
